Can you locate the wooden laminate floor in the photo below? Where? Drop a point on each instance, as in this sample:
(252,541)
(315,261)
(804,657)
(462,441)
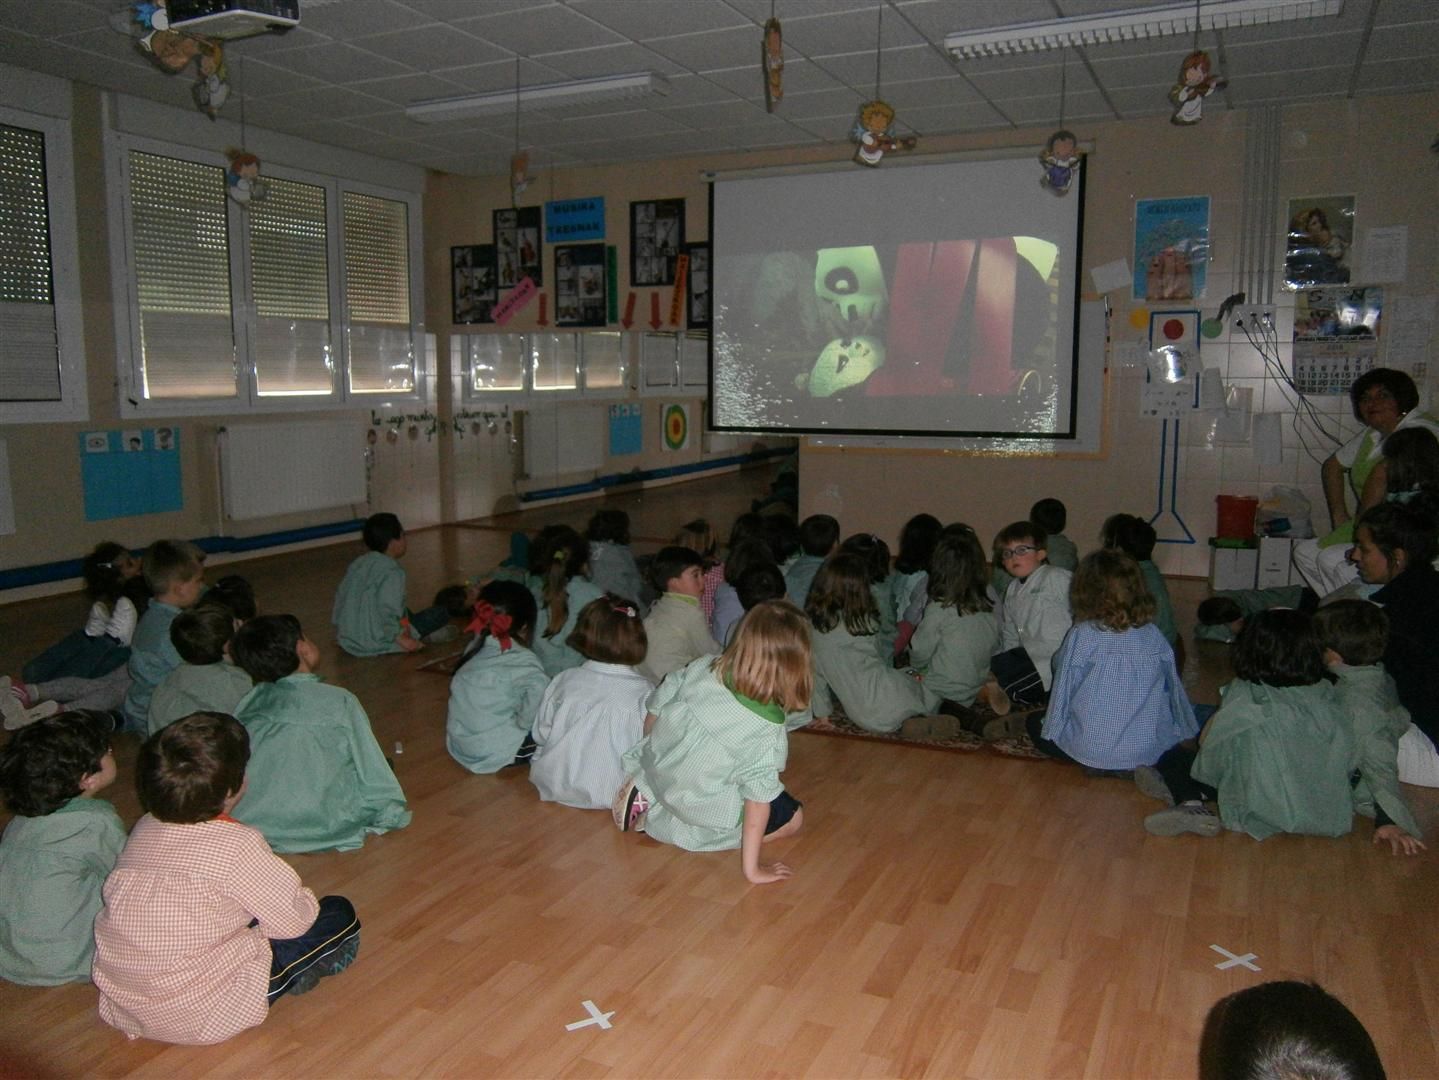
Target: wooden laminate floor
(950,914)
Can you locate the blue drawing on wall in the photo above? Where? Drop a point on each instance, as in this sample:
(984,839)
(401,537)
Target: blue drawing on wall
(626,429)
(130,472)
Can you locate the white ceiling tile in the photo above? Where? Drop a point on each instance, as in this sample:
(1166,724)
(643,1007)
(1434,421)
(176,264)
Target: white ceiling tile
(333,102)
(927,92)
(485,78)
(693,90)
(1420,41)
(714,50)
(661,18)
(337,63)
(822,103)
(1045,108)
(718,115)
(596,128)
(800,77)
(404,89)
(825,35)
(426,48)
(449,11)
(940,119)
(610,60)
(540,30)
(255,79)
(758,10)
(358,18)
(56,19)
(1392,75)
(1405,11)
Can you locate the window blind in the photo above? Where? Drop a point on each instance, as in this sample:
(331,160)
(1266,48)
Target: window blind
(182,277)
(377,293)
(290,285)
(29,345)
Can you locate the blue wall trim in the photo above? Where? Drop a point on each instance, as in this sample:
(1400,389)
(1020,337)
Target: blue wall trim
(70,568)
(599,483)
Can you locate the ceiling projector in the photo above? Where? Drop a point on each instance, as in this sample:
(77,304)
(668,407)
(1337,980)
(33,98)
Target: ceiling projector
(233,18)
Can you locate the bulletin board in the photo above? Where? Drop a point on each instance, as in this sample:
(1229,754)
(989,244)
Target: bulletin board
(130,472)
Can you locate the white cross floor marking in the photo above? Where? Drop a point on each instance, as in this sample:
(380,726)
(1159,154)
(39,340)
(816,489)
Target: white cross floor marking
(1231,960)
(600,1019)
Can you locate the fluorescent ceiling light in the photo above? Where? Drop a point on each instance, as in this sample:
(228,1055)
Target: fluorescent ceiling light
(1132,25)
(547,96)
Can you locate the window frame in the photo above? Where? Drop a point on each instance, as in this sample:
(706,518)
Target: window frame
(243,308)
(529,393)
(73,403)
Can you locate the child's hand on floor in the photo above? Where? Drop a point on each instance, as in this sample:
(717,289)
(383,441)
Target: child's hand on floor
(408,643)
(1399,841)
(768,873)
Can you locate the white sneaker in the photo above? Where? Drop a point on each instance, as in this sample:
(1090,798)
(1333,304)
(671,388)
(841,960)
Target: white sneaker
(1185,818)
(30,715)
(11,707)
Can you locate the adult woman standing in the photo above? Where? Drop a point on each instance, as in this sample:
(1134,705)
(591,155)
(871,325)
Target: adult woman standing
(1384,400)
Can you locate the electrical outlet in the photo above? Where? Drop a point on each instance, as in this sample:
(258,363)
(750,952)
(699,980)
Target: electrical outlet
(1254,317)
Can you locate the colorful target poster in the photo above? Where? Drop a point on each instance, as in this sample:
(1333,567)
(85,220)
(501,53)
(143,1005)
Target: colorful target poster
(676,427)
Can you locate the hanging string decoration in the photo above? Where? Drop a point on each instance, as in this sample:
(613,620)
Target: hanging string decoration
(873,131)
(1060,156)
(242,173)
(772,62)
(1197,81)
(173,51)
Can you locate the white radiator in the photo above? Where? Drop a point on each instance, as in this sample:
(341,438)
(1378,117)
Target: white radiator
(270,469)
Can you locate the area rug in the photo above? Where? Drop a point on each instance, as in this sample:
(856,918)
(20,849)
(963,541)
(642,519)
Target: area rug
(1019,746)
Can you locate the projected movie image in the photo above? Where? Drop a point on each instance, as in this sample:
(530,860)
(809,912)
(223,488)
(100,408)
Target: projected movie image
(968,335)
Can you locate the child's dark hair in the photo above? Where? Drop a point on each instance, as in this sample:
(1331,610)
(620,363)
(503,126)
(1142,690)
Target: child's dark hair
(199,635)
(670,562)
(1020,530)
(1356,629)
(505,598)
(609,525)
(957,576)
(916,543)
(1279,647)
(265,647)
(1286,1030)
(170,562)
(611,631)
(1132,535)
(103,579)
(1409,528)
(874,552)
(381,530)
(743,556)
(1050,515)
(560,555)
(188,769)
(455,600)
(1108,588)
(42,765)
(746,527)
(841,594)
(1218,611)
(1411,457)
(759,583)
(235,593)
(818,535)
(699,536)
(783,536)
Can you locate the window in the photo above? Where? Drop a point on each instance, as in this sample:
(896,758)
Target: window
(302,298)
(543,364)
(41,356)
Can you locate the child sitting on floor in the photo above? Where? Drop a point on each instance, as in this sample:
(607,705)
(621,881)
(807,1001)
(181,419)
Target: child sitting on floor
(1035,616)
(559,561)
(370,616)
(1136,538)
(1051,515)
(208,680)
(175,572)
(676,627)
(317,779)
(958,634)
(875,553)
(699,536)
(1220,617)
(58,847)
(203,926)
(612,563)
(729,609)
(818,539)
(1354,634)
(592,714)
(1278,753)
(118,597)
(917,541)
(496,690)
(706,775)
(1118,701)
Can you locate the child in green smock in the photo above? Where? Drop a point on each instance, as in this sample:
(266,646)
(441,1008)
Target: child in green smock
(560,562)
(208,681)
(370,616)
(706,775)
(317,778)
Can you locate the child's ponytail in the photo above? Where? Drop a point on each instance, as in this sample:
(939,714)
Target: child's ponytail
(505,611)
(564,556)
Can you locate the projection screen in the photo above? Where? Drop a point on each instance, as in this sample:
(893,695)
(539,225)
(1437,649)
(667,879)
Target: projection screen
(936,300)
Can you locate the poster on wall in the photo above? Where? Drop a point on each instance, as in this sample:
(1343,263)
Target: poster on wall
(657,237)
(130,472)
(698,313)
(517,246)
(472,273)
(574,219)
(580,285)
(676,422)
(1321,233)
(1171,248)
(1336,337)
(626,429)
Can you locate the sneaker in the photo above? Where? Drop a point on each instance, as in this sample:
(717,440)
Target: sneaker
(930,727)
(11,706)
(1004,726)
(630,807)
(1149,782)
(29,716)
(332,964)
(994,696)
(1185,818)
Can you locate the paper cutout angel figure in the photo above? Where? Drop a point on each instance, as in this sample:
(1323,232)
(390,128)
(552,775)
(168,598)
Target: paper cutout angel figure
(519,174)
(772,61)
(874,132)
(242,178)
(174,51)
(1195,84)
(1061,161)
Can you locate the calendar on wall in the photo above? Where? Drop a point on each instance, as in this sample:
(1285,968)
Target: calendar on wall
(1336,337)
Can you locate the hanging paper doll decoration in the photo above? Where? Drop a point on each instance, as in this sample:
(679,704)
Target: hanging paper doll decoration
(1196,82)
(1061,161)
(242,178)
(174,51)
(874,132)
(519,174)
(772,61)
